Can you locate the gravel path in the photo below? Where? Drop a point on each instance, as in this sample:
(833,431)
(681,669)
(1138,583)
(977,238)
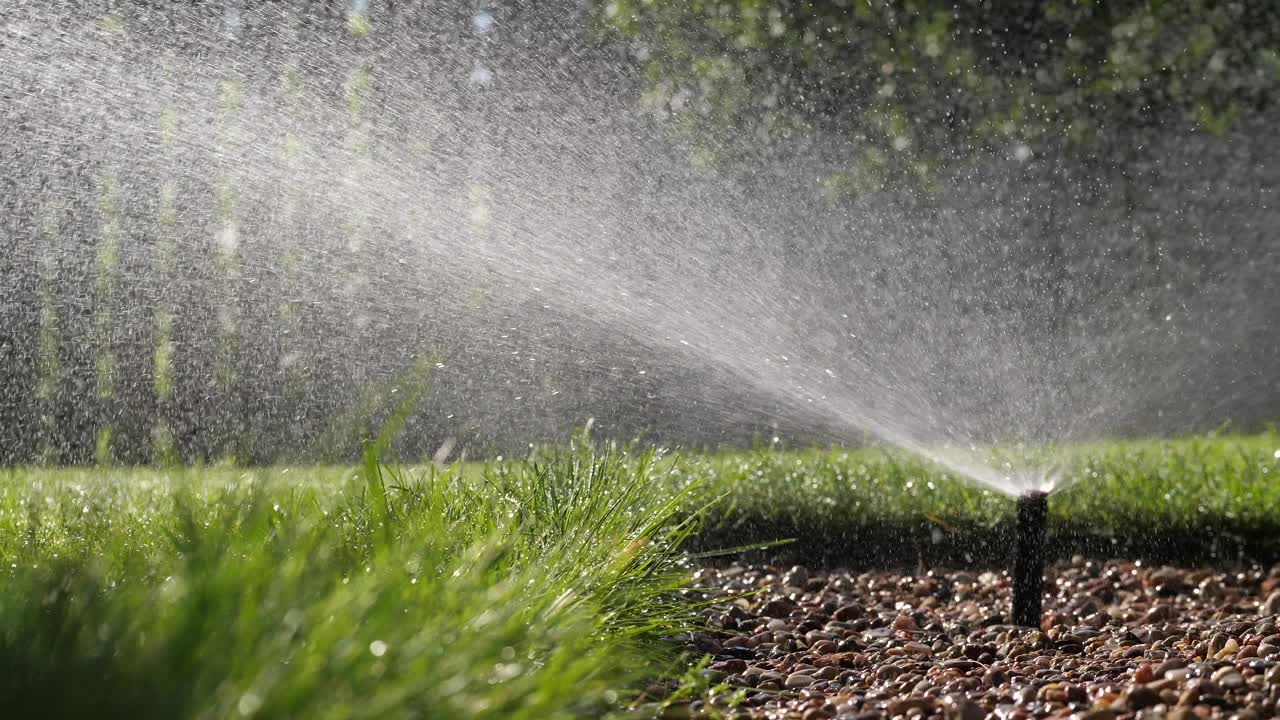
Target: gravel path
(1118,640)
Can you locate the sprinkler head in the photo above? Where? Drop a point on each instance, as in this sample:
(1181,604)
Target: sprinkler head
(1028,558)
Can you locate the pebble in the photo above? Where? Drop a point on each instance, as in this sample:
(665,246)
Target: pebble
(1271,606)
(1116,639)
(797,576)
(1138,697)
(798,680)
(905,705)
(958,707)
(777,608)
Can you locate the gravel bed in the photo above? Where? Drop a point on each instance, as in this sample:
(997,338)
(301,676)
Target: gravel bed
(1118,640)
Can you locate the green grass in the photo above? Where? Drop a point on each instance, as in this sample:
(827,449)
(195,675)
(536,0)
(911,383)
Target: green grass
(531,590)
(1197,498)
(538,588)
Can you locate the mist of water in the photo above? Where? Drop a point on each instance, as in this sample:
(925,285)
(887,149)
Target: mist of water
(486,187)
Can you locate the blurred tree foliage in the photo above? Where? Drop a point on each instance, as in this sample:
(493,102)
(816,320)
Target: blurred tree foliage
(916,86)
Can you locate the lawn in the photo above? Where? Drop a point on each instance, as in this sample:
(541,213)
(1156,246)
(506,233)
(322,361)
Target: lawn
(540,588)
(537,591)
(1195,499)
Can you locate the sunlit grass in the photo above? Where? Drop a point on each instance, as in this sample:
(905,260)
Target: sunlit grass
(1212,485)
(532,590)
(536,588)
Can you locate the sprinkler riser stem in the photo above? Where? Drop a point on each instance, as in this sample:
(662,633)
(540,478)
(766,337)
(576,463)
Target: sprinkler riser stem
(1029,558)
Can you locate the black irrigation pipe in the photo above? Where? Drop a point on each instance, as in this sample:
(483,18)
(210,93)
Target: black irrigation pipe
(1029,558)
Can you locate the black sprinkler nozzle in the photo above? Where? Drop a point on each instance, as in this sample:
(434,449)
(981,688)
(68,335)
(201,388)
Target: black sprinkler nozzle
(1028,558)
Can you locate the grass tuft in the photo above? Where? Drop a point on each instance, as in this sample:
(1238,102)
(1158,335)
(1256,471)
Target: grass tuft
(521,591)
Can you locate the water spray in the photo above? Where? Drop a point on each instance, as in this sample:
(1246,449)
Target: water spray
(1028,558)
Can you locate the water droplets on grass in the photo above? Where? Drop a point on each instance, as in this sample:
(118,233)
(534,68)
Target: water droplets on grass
(503,672)
(249,704)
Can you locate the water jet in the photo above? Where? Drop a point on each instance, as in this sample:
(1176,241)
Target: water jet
(1028,558)
(288,218)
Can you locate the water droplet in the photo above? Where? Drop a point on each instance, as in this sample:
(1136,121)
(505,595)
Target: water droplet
(481,75)
(482,22)
(249,704)
(378,648)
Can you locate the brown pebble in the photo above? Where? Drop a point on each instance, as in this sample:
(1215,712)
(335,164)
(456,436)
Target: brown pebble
(1138,697)
(777,608)
(1052,693)
(824,647)
(1051,620)
(734,665)
(1271,606)
(1217,643)
(798,680)
(958,707)
(903,705)
(847,613)
(1159,613)
(1223,672)
(905,622)
(1175,663)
